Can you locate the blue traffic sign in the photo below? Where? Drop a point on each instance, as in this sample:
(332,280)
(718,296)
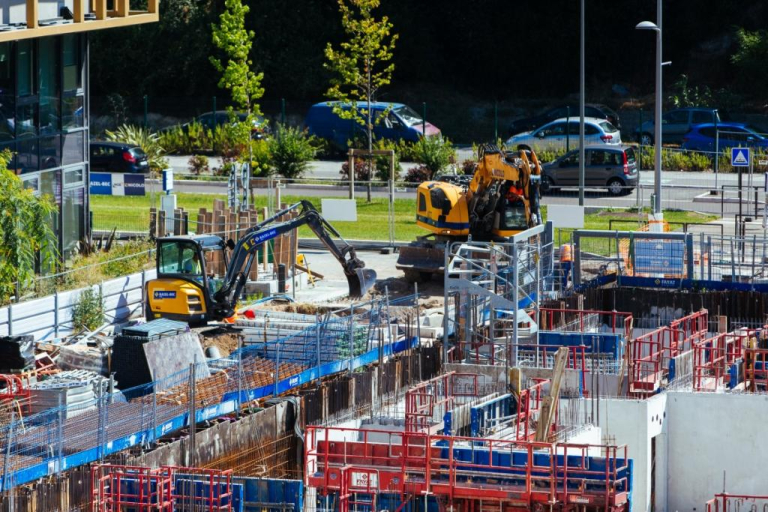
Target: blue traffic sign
(740,157)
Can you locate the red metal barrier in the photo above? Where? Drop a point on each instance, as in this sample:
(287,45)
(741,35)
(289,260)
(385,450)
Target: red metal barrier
(756,369)
(713,357)
(349,461)
(437,396)
(528,407)
(619,321)
(165,489)
(722,502)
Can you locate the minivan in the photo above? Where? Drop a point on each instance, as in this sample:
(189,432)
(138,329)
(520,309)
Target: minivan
(611,167)
(400,123)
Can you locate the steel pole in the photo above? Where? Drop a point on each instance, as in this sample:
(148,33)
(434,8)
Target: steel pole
(581,108)
(657,127)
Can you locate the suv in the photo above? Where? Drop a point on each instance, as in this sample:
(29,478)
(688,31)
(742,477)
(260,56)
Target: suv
(611,167)
(676,123)
(555,135)
(117,157)
(590,110)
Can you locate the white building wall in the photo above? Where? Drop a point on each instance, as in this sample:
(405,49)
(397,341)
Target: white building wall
(15,11)
(710,434)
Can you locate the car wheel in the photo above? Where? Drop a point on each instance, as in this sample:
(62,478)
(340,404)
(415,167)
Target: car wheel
(547,185)
(616,187)
(646,139)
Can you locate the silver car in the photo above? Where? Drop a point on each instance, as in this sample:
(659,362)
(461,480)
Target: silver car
(554,136)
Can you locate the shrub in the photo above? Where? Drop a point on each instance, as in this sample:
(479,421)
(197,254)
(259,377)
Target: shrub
(550,155)
(468,167)
(434,153)
(88,310)
(260,159)
(361,170)
(290,152)
(198,164)
(148,141)
(418,174)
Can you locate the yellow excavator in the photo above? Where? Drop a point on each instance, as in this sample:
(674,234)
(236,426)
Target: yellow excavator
(502,199)
(185,290)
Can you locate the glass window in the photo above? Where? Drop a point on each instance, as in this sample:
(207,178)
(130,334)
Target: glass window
(73,110)
(608,127)
(701,117)
(48,85)
(408,115)
(422,202)
(599,157)
(514,216)
(180,258)
(630,153)
(7,94)
(570,160)
(676,117)
(72,62)
(50,185)
(50,152)
(72,152)
(73,220)
(553,130)
(708,131)
(27,156)
(26,120)
(73,177)
(26,67)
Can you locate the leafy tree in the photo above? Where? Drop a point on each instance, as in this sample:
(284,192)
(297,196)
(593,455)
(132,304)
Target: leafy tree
(751,56)
(25,232)
(290,152)
(244,85)
(362,64)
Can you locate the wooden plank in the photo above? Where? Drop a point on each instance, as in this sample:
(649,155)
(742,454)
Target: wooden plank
(79,11)
(123,8)
(32,14)
(549,403)
(101,9)
(202,227)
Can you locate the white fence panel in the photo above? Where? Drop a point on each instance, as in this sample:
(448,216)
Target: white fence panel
(51,316)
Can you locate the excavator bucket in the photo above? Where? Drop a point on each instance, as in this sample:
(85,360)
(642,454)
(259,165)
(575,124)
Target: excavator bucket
(361,281)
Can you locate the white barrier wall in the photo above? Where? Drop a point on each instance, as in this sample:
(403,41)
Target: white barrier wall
(50,317)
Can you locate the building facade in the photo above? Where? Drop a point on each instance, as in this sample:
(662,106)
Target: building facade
(44,97)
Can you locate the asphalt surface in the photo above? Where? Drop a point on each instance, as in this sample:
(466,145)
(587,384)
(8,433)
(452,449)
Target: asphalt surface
(680,190)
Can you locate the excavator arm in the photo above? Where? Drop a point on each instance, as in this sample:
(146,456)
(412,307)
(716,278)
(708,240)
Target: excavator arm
(360,279)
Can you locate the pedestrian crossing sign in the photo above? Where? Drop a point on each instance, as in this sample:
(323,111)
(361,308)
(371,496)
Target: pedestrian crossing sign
(740,157)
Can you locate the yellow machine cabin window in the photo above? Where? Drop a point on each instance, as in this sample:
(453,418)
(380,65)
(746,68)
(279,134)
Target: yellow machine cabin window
(180,258)
(422,202)
(514,216)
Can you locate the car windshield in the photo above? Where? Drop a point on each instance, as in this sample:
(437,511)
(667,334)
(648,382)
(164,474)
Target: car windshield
(608,127)
(408,115)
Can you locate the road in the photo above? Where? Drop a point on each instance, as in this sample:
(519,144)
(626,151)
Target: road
(681,190)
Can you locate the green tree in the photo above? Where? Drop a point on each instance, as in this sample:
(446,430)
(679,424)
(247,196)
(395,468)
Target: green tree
(750,58)
(362,64)
(25,232)
(244,84)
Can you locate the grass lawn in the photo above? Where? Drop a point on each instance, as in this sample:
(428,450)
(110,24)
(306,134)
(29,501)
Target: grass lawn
(131,213)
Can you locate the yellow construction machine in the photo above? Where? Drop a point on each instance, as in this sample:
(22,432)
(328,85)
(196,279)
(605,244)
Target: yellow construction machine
(185,290)
(501,200)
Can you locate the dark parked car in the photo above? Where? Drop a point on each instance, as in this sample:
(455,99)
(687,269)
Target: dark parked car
(676,123)
(731,135)
(259,130)
(614,168)
(590,110)
(117,157)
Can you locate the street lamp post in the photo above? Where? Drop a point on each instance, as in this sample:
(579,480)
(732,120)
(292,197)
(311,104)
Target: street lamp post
(657,217)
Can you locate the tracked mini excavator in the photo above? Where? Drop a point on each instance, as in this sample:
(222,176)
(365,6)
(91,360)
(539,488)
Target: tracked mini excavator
(501,200)
(186,290)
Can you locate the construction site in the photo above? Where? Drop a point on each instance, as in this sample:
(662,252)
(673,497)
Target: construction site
(497,371)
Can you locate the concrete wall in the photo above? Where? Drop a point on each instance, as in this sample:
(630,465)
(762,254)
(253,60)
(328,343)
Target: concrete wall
(710,434)
(626,422)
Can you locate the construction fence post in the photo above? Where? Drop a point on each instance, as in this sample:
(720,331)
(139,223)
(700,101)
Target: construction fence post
(56,314)
(277,369)
(60,436)
(192,417)
(239,374)
(6,460)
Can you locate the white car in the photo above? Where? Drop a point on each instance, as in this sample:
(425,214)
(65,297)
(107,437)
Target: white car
(554,135)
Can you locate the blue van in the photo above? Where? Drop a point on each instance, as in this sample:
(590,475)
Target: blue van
(401,123)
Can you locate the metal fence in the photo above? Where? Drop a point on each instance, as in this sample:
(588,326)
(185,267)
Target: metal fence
(52,441)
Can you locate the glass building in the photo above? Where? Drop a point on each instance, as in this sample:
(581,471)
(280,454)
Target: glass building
(44,114)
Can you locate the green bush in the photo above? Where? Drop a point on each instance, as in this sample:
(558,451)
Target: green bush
(260,158)
(290,151)
(88,310)
(550,155)
(148,141)
(198,164)
(434,153)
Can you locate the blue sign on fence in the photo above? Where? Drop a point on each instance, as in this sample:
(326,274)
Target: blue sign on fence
(740,157)
(117,184)
(659,257)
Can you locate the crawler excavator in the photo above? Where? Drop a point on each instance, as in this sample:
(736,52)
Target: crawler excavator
(185,290)
(501,200)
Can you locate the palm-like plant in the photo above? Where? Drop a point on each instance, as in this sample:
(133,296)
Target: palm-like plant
(148,141)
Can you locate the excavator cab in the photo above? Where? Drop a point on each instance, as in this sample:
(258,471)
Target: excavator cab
(186,280)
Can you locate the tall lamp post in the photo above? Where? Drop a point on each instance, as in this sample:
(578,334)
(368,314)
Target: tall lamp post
(657,217)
